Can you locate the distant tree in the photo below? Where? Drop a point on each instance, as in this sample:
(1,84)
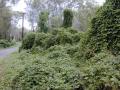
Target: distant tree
(42,23)
(83,16)
(55,21)
(85,9)
(6,18)
(68,18)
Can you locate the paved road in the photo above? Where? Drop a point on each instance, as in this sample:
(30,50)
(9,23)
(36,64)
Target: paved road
(6,52)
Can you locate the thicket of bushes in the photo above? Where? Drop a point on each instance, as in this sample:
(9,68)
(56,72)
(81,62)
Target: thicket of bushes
(60,36)
(28,41)
(6,43)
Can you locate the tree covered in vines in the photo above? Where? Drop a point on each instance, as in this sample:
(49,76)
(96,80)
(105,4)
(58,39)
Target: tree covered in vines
(68,18)
(105,28)
(42,23)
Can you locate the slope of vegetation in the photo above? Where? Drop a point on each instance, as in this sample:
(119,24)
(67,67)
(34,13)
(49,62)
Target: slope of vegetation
(54,64)
(65,59)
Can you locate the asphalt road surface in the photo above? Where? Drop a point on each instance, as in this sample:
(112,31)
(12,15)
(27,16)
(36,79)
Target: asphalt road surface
(6,52)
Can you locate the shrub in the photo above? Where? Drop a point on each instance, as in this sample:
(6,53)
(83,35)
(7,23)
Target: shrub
(71,50)
(59,37)
(65,37)
(40,39)
(57,52)
(71,30)
(68,18)
(55,48)
(28,41)
(77,37)
(6,43)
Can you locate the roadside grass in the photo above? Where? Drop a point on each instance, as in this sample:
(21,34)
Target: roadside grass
(11,66)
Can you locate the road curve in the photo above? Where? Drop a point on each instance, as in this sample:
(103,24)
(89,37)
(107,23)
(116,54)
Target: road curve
(6,52)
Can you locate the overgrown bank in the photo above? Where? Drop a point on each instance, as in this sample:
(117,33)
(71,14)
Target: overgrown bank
(66,59)
(53,62)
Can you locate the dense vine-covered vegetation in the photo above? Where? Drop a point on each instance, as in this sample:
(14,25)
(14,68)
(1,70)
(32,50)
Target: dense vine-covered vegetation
(68,18)
(105,28)
(65,59)
(57,66)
